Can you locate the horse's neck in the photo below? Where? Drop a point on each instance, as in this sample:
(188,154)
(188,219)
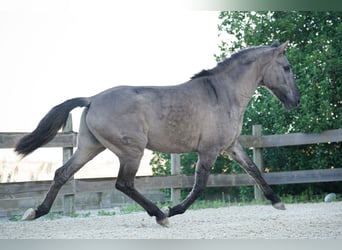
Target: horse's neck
(242,88)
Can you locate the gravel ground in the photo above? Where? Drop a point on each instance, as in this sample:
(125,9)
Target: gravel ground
(299,221)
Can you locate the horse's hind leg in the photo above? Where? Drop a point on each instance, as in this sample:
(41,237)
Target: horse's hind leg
(62,175)
(125,183)
(241,157)
(88,148)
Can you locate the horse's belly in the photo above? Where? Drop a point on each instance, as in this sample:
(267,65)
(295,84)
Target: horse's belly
(172,140)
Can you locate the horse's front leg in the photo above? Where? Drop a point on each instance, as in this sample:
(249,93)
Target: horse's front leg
(240,156)
(203,167)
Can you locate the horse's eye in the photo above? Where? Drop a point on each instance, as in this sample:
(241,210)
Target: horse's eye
(287,68)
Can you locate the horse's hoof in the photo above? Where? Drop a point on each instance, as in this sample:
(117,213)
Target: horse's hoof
(164,222)
(30,214)
(166,211)
(279,205)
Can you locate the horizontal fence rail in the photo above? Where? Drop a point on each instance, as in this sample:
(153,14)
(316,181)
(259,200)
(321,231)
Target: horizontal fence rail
(69,139)
(22,191)
(39,188)
(294,139)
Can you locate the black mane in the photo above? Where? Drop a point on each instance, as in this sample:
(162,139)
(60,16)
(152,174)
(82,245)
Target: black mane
(240,55)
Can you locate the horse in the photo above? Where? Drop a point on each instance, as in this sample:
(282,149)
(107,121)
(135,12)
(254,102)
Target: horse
(203,115)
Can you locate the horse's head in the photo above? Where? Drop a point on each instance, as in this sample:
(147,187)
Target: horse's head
(279,79)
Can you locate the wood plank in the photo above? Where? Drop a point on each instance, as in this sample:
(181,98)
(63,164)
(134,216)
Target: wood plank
(32,189)
(304,176)
(300,139)
(141,182)
(250,141)
(9,140)
(99,185)
(218,180)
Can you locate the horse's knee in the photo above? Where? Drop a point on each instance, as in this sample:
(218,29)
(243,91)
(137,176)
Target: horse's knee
(60,177)
(124,186)
(119,186)
(197,190)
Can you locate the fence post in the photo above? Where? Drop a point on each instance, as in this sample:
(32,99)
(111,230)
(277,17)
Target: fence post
(69,199)
(175,169)
(257,158)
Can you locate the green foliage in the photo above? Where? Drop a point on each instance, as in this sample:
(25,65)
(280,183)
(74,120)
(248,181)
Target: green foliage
(106,213)
(131,208)
(161,164)
(315,57)
(53,215)
(15,218)
(315,54)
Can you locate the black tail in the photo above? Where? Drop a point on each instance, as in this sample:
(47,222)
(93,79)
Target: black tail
(49,126)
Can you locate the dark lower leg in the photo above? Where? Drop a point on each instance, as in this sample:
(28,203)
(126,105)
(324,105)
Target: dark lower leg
(46,205)
(240,156)
(189,200)
(59,180)
(150,207)
(262,184)
(201,177)
(125,183)
(62,175)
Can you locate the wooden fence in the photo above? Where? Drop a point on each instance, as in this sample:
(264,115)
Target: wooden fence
(13,193)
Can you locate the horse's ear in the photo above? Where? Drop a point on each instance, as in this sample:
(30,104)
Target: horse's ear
(282,48)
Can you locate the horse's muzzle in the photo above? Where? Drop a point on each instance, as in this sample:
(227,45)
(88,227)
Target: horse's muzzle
(292,103)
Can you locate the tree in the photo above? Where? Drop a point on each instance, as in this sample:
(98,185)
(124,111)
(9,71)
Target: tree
(315,54)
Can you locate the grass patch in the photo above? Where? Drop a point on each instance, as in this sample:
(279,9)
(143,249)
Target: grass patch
(80,215)
(105,213)
(15,218)
(130,208)
(305,198)
(53,216)
(203,204)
